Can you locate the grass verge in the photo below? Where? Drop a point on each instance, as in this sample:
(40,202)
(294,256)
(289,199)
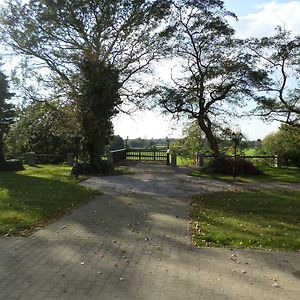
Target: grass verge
(248,219)
(291,175)
(36,196)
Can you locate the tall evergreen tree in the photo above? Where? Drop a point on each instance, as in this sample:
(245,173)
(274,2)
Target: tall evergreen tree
(6,112)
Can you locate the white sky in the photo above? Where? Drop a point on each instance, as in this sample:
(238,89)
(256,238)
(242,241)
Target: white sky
(256,18)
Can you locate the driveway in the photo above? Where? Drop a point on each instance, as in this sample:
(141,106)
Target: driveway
(132,242)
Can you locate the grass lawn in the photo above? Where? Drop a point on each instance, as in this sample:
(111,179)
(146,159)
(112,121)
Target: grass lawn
(249,219)
(291,175)
(36,196)
(182,161)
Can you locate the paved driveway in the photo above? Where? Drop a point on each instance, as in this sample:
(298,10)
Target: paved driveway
(133,243)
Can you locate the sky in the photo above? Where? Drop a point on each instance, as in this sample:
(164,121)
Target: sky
(256,18)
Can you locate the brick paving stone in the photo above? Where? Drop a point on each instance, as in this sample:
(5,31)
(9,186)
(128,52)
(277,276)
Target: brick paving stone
(142,216)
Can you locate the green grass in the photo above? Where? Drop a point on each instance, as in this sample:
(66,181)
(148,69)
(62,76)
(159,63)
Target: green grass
(249,219)
(36,196)
(182,161)
(291,175)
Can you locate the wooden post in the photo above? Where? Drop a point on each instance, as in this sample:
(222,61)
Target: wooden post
(168,157)
(173,160)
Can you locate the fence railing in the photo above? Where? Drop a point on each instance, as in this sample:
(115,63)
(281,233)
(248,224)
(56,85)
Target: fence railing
(146,154)
(138,154)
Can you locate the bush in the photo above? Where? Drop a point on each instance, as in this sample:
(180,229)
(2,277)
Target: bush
(225,166)
(49,159)
(106,168)
(284,143)
(11,165)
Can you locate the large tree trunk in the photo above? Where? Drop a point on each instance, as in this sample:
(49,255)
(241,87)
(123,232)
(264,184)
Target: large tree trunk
(205,125)
(94,156)
(94,140)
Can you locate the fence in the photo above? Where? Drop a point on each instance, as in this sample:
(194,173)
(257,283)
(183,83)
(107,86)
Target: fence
(32,158)
(146,154)
(138,154)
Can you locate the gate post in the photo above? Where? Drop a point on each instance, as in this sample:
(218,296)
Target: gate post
(168,157)
(174,160)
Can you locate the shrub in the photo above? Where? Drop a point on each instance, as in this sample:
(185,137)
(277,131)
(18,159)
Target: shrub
(11,165)
(285,143)
(106,168)
(225,166)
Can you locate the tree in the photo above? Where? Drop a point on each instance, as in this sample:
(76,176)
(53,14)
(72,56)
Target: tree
(284,143)
(43,128)
(117,143)
(192,143)
(6,112)
(216,73)
(280,98)
(92,52)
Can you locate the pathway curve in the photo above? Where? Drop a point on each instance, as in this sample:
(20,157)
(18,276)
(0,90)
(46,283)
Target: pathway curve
(132,243)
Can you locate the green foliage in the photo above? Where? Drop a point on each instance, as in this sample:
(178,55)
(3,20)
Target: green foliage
(226,166)
(286,144)
(37,196)
(43,128)
(97,105)
(251,219)
(116,143)
(105,168)
(193,142)
(6,112)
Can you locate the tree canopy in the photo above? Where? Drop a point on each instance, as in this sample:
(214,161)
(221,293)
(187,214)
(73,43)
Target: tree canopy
(284,143)
(94,54)
(216,72)
(88,52)
(43,128)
